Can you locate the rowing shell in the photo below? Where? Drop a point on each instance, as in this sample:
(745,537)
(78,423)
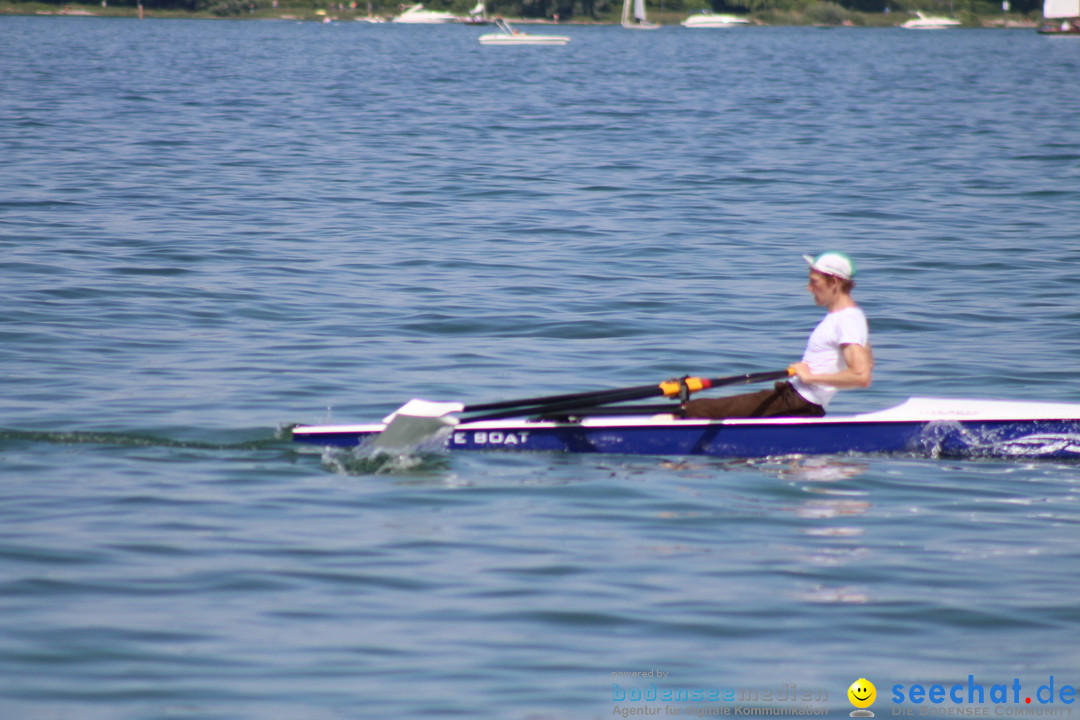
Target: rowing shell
(929,427)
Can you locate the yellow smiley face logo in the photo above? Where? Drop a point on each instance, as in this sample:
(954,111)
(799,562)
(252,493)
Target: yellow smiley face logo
(862,693)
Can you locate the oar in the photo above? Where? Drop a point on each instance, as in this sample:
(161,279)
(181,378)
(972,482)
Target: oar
(419,420)
(668,388)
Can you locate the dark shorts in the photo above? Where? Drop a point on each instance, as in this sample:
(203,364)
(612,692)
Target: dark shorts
(782,401)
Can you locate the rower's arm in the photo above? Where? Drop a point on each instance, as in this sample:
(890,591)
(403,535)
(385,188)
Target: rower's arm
(858,373)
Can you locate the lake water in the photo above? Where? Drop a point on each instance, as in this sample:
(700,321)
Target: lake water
(210,230)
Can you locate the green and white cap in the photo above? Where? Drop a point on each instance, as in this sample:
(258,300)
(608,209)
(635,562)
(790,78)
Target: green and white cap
(832,263)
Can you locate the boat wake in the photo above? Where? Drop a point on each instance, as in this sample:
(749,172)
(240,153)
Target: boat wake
(121,439)
(364,459)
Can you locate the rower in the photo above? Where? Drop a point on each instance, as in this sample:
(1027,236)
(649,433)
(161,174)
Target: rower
(837,356)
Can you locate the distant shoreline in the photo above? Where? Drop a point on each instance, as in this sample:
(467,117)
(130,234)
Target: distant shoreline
(295,15)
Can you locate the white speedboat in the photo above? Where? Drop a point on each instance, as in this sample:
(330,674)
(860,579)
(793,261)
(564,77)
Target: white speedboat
(509,36)
(929,22)
(712,20)
(417,15)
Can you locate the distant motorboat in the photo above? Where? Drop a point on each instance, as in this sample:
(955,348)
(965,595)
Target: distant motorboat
(929,22)
(417,15)
(1062,17)
(509,36)
(712,20)
(639,21)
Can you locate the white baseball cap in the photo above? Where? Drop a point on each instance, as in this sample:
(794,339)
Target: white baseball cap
(832,263)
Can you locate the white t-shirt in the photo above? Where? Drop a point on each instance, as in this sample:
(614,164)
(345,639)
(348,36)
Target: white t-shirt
(824,353)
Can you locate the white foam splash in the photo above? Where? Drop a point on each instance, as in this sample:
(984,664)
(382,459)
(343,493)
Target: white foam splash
(987,442)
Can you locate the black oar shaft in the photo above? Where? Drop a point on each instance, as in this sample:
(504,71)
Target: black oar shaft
(572,401)
(548,399)
(640,392)
(616,410)
(593,400)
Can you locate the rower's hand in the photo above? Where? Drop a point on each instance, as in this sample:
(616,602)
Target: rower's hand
(802,371)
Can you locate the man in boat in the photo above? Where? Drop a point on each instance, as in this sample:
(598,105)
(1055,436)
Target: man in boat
(837,355)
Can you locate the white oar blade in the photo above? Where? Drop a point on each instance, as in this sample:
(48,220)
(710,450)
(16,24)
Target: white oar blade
(407,433)
(415,423)
(424,409)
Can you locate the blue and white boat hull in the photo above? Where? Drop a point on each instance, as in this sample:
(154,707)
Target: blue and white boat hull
(927,427)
